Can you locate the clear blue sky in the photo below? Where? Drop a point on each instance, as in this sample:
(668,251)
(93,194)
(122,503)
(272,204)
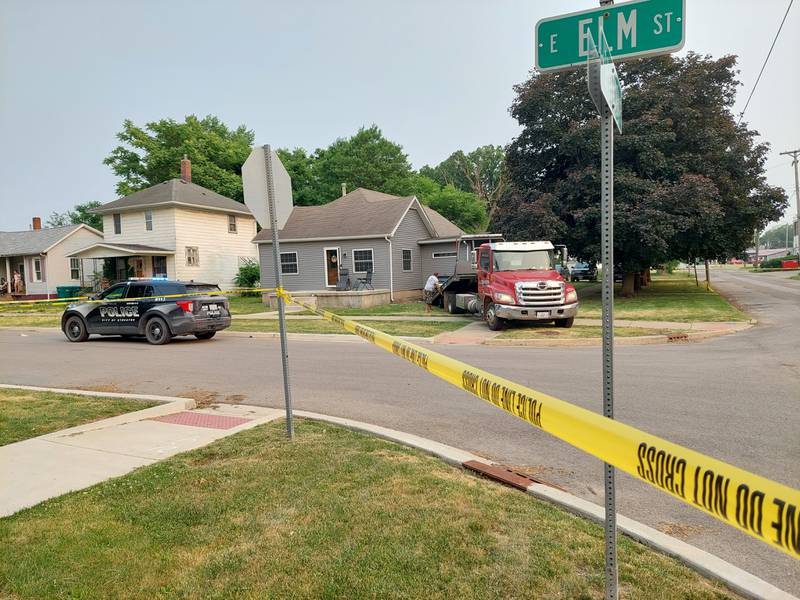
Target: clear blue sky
(435,75)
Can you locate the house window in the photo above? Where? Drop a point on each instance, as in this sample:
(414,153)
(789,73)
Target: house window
(117,223)
(406,260)
(37,269)
(231,223)
(148,220)
(192,256)
(362,260)
(159,266)
(289,264)
(74,269)
(444,254)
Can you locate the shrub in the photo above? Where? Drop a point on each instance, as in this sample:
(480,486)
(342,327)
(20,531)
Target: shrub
(249,274)
(776,263)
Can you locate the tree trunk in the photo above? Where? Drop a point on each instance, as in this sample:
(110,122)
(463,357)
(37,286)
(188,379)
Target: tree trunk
(696,280)
(628,290)
(637,281)
(645,277)
(708,276)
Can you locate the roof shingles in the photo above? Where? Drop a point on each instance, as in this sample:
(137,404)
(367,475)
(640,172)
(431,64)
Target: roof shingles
(34,241)
(175,191)
(361,213)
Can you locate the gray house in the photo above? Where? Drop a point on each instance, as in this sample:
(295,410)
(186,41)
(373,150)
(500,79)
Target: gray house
(401,241)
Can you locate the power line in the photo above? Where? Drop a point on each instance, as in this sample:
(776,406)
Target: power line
(766,60)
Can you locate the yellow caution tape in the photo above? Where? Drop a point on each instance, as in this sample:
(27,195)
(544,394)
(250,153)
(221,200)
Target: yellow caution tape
(766,510)
(86,299)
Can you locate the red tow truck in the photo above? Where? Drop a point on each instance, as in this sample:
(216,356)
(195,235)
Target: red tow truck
(509,281)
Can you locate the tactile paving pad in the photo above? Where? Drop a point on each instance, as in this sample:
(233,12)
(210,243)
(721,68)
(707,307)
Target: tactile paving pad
(199,419)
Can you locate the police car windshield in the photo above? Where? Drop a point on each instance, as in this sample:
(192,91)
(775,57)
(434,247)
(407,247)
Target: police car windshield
(514,260)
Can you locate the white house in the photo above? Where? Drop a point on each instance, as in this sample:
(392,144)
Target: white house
(175,229)
(43,259)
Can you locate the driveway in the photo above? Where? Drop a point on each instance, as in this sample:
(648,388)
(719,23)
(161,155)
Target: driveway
(734,398)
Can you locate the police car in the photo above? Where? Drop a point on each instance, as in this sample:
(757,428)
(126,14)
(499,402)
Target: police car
(158,315)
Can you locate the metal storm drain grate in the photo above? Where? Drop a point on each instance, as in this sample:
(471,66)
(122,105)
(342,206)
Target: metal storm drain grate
(506,476)
(198,419)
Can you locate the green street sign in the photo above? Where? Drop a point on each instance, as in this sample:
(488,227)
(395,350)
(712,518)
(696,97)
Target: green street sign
(633,29)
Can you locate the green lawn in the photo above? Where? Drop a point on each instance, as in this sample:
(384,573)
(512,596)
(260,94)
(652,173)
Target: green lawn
(548,331)
(669,298)
(247,305)
(42,308)
(410,328)
(40,320)
(333,514)
(25,414)
(414,309)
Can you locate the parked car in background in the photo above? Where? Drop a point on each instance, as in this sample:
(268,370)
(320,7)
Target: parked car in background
(149,308)
(583,272)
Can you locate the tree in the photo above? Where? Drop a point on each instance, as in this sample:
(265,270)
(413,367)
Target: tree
(688,180)
(777,236)
(481,172)
(80,214)
(151,154)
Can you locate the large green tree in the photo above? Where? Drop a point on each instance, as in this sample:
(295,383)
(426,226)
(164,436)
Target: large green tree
(689,181)
(82,213)
(369,160)
(152,154)
(481,172)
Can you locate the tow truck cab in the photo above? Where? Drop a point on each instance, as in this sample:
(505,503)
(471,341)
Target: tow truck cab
(519,281)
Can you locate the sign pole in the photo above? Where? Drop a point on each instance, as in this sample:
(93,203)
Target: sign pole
(607,258)
(276,255)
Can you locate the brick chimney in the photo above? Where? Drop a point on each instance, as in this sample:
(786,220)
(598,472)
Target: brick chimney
(36,222)
(186,170)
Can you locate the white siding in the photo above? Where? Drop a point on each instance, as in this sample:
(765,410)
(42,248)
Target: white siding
(219,251)
(443,266)
(134,232)
(55,266)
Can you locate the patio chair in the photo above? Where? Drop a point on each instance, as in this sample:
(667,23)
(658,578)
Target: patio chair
(343,284)
(365,282)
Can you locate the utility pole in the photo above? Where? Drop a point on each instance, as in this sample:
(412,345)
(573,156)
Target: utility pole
(794,154)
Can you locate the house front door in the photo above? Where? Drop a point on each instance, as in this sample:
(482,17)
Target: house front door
(331,267)
(137,264)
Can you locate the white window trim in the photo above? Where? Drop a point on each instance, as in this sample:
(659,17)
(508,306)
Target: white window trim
(296,260)
(197,256)
(372,256)
(36,278)
(438,255)
(235,224)
(71,269)
(146,220)
(325,265)
(410,260)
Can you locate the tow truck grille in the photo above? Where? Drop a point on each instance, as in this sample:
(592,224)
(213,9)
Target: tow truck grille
(540,293)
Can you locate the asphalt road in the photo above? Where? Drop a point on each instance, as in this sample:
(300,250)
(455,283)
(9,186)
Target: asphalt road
(735,398)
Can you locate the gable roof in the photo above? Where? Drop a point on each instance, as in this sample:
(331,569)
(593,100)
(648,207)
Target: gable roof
(360,214)
(36,241)
(175,192)
(444,227)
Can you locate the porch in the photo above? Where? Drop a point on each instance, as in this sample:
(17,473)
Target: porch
(119,262)
(335,299)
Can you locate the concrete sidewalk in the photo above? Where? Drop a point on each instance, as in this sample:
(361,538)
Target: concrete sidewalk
(72,459)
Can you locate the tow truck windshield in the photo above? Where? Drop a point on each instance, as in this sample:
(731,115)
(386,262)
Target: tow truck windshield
(515,260)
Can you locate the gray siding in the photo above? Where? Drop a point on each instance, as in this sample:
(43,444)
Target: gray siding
(444,266)
(311,263)
(411,230)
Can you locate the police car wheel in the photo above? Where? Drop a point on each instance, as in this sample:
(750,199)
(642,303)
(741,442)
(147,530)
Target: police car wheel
(157,331)
(75,330)
(205,335)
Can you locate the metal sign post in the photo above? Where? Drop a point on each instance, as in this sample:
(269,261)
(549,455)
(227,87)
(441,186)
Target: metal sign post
(276,256)
(606,92)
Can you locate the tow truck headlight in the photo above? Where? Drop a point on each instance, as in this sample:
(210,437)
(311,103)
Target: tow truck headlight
(504,298)
(572,296)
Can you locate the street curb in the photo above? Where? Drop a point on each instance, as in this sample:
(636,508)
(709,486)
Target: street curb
(739,580)
(313,337)
(643,340)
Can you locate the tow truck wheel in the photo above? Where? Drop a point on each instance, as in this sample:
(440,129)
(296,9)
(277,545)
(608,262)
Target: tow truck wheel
(565,322)
(75,330)
(205,335)
(450,303)
(494,322)
(157,331)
